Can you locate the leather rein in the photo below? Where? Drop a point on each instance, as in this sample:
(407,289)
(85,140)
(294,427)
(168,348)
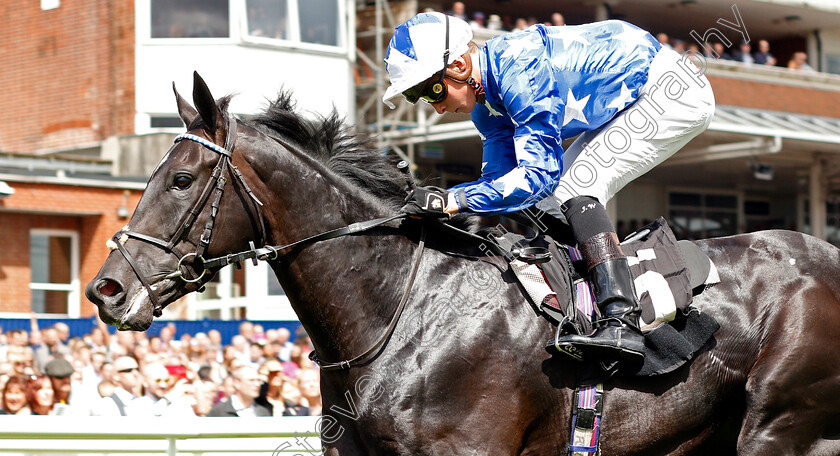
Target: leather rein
(267,253)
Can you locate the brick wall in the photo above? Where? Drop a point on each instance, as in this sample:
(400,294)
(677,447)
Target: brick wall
(94,230)
(66,74)
(775,97)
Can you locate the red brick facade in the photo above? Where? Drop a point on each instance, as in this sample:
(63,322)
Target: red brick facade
(775,97)
(67,73)
(63,207)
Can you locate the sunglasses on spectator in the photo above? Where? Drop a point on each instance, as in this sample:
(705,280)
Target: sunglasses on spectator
(125,371)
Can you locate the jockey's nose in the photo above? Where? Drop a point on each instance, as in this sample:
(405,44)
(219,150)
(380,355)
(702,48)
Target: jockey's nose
(439,107)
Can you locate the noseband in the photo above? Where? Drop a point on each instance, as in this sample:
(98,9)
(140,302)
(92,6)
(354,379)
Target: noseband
(266,253)
(217,180)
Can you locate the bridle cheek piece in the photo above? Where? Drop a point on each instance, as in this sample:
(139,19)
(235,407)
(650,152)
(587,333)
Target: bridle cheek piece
(217,181)
(265,253)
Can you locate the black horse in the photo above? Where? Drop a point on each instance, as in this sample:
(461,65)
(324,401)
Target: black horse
(464,371)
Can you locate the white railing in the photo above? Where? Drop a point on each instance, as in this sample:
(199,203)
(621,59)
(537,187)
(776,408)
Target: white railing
(67,435)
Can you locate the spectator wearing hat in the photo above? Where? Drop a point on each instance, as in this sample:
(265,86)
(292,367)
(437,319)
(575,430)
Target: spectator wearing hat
(477,21)
(494,22)
(60,372)
(167,395)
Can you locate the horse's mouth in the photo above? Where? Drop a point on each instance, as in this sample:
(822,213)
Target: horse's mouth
(139,314)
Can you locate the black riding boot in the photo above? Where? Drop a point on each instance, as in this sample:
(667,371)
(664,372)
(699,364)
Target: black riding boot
(617,335)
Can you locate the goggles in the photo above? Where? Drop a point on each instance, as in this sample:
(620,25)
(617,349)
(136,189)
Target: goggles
(431,90)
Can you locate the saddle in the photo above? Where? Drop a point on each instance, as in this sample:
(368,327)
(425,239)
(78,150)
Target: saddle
(668,274)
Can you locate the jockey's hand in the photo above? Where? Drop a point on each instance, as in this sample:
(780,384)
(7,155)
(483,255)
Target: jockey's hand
(426,202)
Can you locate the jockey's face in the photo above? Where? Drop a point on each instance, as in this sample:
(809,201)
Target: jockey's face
(460,98)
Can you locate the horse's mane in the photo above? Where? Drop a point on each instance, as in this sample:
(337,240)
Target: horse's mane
(329,140)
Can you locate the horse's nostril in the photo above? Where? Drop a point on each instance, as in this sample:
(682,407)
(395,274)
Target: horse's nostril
(110,288)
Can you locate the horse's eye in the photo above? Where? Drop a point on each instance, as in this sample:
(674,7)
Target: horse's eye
(182,182)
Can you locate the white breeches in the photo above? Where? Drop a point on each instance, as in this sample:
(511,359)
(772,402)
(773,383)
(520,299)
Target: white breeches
(674,106)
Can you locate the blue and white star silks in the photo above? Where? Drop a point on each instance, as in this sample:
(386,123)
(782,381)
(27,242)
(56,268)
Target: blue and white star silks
(574,109)
(544,85)
(632,36)
(623,99)
(516,46)
(513,180)
(569,36)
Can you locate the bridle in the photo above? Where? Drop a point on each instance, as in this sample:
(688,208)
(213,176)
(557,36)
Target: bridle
(267,253)
(217,181)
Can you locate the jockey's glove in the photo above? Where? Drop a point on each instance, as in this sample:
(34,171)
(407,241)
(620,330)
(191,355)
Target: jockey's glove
(426,202)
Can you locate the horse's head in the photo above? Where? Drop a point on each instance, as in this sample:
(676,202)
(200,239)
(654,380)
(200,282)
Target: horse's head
(158,256)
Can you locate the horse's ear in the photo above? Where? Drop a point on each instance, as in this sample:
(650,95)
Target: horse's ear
(206,105)
(185,110)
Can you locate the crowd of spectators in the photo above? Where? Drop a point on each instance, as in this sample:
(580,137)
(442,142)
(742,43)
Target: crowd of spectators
(505,23)
(260,373)
(742,52)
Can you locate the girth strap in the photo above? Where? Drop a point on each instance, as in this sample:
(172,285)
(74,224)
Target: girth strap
(586,420)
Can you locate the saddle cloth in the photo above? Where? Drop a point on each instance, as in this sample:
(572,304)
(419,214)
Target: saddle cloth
(667,274)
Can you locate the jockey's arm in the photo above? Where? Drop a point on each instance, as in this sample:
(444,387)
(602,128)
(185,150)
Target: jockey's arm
(520,166)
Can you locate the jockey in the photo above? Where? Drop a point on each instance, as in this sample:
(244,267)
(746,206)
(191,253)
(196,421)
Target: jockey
(631,102)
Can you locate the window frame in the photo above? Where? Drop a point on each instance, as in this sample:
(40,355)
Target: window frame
(704,209)
(238,28)
(74,287)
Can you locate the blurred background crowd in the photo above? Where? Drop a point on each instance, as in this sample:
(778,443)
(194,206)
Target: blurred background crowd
(743,52)
(260,373)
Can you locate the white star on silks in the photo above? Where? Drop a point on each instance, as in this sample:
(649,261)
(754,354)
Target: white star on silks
(515,47)
(574,109)
(631,37)
(623,99)
(513,180)
(570,34)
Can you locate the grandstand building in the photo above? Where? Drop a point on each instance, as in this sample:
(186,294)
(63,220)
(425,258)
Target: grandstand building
(90,111)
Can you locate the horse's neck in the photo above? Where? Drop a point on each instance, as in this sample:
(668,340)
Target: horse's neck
(343,290)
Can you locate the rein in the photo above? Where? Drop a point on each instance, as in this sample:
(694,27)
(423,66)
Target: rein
(266,253)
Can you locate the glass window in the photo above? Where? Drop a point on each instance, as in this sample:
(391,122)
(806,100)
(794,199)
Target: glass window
(685,199)
(51,262)
(190,19)
(166,122)
(319,21)
(268,18)
(758,208)
(699,216)
(722,201)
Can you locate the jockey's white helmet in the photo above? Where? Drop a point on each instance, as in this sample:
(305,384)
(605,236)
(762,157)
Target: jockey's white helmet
(416,50)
